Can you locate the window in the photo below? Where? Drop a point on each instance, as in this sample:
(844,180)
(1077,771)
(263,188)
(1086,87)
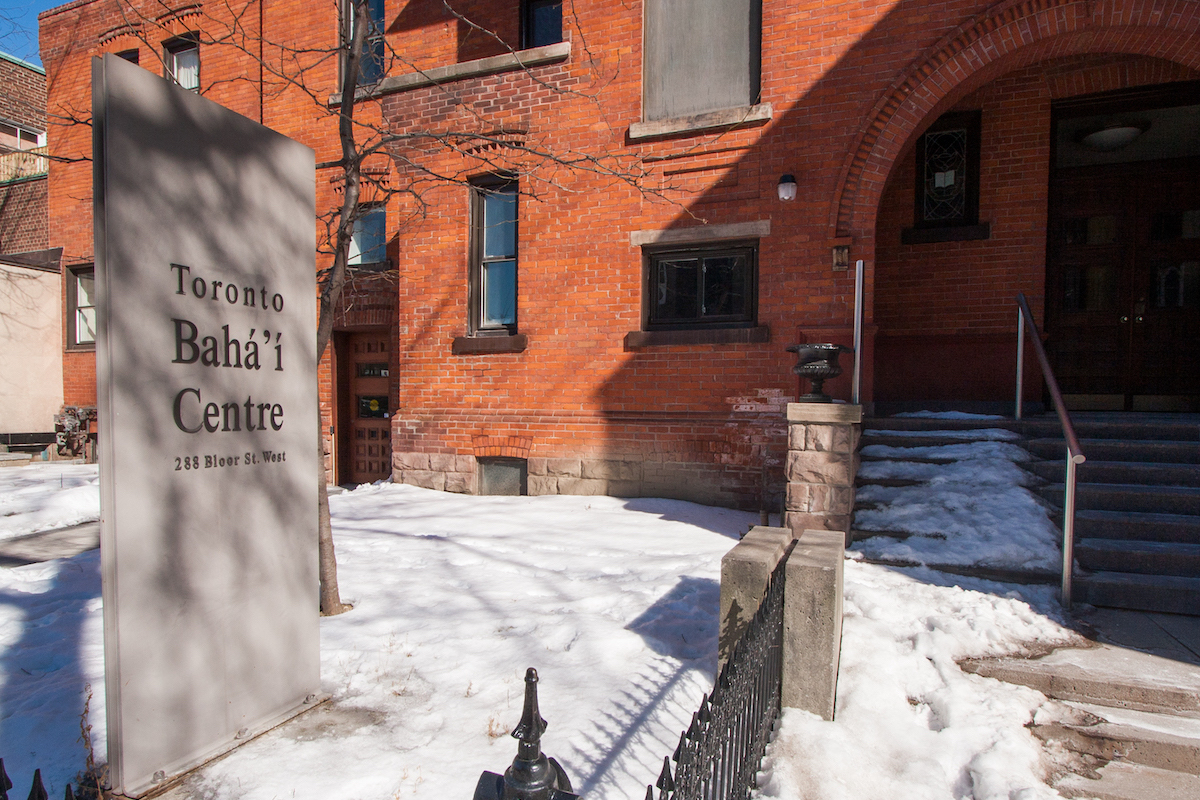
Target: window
(81,308)
(694,288)
(129,55)
(700,56)
(946,196)
(368,241)
(503,476)
(493,272)
(371,61)
(541,22)
(17,137)
(182,56)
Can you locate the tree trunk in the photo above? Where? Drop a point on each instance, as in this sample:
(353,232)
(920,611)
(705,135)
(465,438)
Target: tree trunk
(331,601)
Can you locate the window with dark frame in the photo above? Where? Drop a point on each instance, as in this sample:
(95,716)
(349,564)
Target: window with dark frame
(182,57)
(129,55)
(368,240)
(711,287)
(493,268)
(81,307)
(541,22)
(946,192)
(371,59)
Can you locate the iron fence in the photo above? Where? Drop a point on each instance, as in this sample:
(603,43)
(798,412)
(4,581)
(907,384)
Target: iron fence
(719,754)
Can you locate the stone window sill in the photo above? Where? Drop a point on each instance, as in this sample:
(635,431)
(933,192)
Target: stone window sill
(728,118)
(950,233)
(636,340)
(508,62)
(482,345)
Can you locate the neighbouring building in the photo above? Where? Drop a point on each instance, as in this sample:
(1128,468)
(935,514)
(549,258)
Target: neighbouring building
(575,272)
(30,340)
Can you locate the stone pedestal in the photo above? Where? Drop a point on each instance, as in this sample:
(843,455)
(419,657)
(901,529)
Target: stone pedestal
(821,465)
(812,623)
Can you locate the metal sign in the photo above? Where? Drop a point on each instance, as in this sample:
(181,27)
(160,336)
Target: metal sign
(206,373)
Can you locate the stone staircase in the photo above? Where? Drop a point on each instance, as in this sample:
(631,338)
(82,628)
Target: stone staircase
(1137,520)
(1128,721)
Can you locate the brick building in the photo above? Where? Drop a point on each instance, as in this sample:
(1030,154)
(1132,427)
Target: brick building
(30,348)
(576,273)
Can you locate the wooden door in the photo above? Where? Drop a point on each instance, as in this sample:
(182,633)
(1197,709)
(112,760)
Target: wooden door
(1122,272)
(365,406)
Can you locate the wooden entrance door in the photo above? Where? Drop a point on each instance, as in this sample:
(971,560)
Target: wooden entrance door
(365,390)
(1123,285)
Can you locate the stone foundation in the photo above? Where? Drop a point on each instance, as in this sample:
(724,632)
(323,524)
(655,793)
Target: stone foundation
(706,483)
(445,472)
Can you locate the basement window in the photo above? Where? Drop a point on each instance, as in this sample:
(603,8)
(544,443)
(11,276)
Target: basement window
(503,476)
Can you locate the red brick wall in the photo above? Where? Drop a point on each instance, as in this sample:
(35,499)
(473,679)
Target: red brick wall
(23,98)
(851,84)
(23,216)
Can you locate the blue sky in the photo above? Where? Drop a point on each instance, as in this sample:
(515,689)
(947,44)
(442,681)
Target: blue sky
(18,27)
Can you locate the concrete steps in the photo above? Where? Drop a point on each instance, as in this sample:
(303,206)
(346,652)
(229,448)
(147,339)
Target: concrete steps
(1120,780)
(1137,500)
(1131,718)
(1136,472)
(1144,527)
(1137,497)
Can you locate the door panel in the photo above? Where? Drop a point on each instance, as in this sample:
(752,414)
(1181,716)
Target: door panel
(365,406)
(1120,320)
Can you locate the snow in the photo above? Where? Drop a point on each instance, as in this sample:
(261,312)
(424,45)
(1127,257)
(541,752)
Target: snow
(947,415)
(909,724)
(613,601)
(975,510)
(990,434)
(40,497)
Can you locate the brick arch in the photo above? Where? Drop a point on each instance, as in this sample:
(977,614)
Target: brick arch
(1009,35)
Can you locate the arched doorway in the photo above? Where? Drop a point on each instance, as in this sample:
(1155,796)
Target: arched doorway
(944,306)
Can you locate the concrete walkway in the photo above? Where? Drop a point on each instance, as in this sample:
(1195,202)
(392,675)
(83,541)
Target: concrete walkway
(47,545)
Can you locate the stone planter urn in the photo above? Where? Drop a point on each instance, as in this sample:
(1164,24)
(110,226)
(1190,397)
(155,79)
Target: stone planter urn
(818,362)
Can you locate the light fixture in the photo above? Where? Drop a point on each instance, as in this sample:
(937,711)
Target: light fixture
(841,257)
(787,187)
(1113,137)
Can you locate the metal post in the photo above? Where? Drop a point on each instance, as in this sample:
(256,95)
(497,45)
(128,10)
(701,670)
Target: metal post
(1020,358)
(1068,529)
(858,325)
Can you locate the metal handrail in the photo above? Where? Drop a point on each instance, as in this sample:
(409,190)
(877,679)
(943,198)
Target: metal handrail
(1074,451)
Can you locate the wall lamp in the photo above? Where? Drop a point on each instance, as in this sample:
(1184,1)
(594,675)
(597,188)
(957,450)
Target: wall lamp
(787,187)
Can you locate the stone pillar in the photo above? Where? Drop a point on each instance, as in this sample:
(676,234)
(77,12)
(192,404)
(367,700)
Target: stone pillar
(812,622)
(745,571)
(821,464)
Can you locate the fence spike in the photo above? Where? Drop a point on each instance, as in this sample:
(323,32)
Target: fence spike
(38,791)
(679,747)
(693,731)
(705,712)
(665,781)
(69,794)
(5,783)
(649,792)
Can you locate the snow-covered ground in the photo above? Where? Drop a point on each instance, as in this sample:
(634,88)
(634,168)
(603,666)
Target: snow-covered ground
(42,497)
(614,601)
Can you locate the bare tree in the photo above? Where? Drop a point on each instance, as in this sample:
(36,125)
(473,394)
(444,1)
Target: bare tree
(483,145)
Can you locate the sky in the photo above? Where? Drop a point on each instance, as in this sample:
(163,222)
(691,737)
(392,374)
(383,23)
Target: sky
(19,27)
